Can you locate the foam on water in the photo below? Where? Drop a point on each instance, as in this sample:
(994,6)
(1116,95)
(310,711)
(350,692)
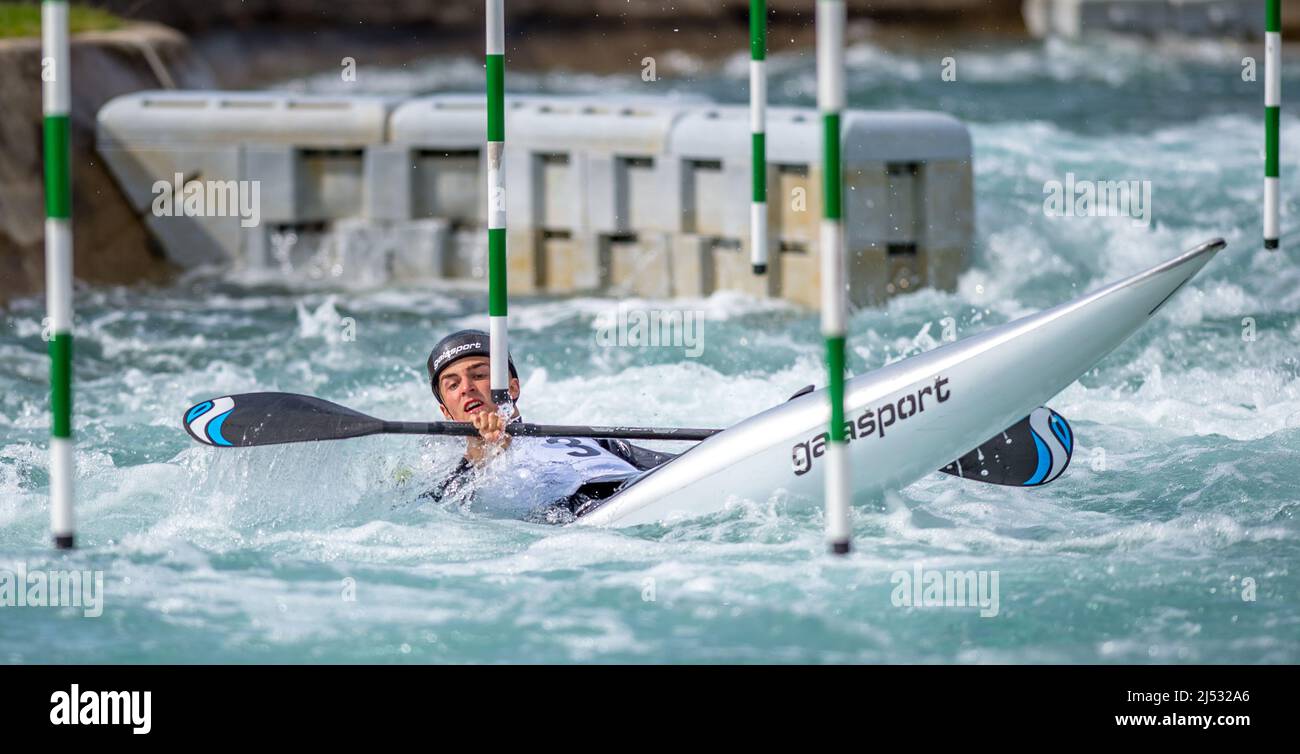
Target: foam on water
(1182,487)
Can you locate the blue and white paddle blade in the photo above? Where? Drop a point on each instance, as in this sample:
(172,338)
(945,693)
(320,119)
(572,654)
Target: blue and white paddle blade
(1053,445)
(248,419)
(1029,453)
(205,421)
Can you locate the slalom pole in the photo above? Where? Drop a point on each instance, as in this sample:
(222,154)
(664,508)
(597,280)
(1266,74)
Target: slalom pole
(1272,118)
(758,129)
(496,137)
(830,100)
(57,103)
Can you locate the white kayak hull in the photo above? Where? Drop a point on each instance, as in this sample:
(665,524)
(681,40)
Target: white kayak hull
(909,418)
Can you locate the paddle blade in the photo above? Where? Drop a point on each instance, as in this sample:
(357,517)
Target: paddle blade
(1029,453)
(241,421)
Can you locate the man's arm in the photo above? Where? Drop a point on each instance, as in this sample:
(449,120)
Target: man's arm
(451,483)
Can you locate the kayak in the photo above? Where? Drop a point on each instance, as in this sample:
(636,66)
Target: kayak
(909,418)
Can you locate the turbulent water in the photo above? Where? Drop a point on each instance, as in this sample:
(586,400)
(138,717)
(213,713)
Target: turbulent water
(1172,538)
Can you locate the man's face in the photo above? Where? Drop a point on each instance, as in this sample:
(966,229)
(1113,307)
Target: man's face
(466,387)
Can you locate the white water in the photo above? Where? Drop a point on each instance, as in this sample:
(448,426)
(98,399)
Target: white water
(1183,486)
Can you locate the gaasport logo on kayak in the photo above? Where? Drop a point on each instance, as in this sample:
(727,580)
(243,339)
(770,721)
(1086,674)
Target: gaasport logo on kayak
(195,198)
(77,707)
(52,588)
(873,422)
(929,587)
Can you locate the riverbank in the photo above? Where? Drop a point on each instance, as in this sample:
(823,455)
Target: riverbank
(111,245)
(520,15)
(303,44)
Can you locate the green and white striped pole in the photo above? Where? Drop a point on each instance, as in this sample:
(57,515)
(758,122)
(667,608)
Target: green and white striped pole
(496,138)
(57,101)
(758,129)
(830,100)
(1272,118)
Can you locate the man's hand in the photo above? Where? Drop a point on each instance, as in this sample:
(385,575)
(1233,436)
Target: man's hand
(491,427)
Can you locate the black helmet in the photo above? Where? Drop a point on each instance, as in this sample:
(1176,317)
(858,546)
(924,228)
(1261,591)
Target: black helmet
(457,346)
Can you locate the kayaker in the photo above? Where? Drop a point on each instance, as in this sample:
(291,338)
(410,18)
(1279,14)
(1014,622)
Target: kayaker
(576,471)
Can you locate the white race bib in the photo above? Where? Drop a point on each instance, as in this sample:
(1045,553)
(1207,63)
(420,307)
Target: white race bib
(577,460)
(540,471)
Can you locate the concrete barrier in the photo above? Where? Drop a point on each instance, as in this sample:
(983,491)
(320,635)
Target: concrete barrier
(304,153)
(641,197)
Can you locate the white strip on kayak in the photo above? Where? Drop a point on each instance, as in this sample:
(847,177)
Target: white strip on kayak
(909,418)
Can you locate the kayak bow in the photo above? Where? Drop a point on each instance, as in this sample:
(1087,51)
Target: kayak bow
(911,417)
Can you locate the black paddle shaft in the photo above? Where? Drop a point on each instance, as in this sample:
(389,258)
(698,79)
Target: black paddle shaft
(465,429)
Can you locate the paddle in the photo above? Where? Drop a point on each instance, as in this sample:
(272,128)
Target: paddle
(252,419)
(1029,453)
